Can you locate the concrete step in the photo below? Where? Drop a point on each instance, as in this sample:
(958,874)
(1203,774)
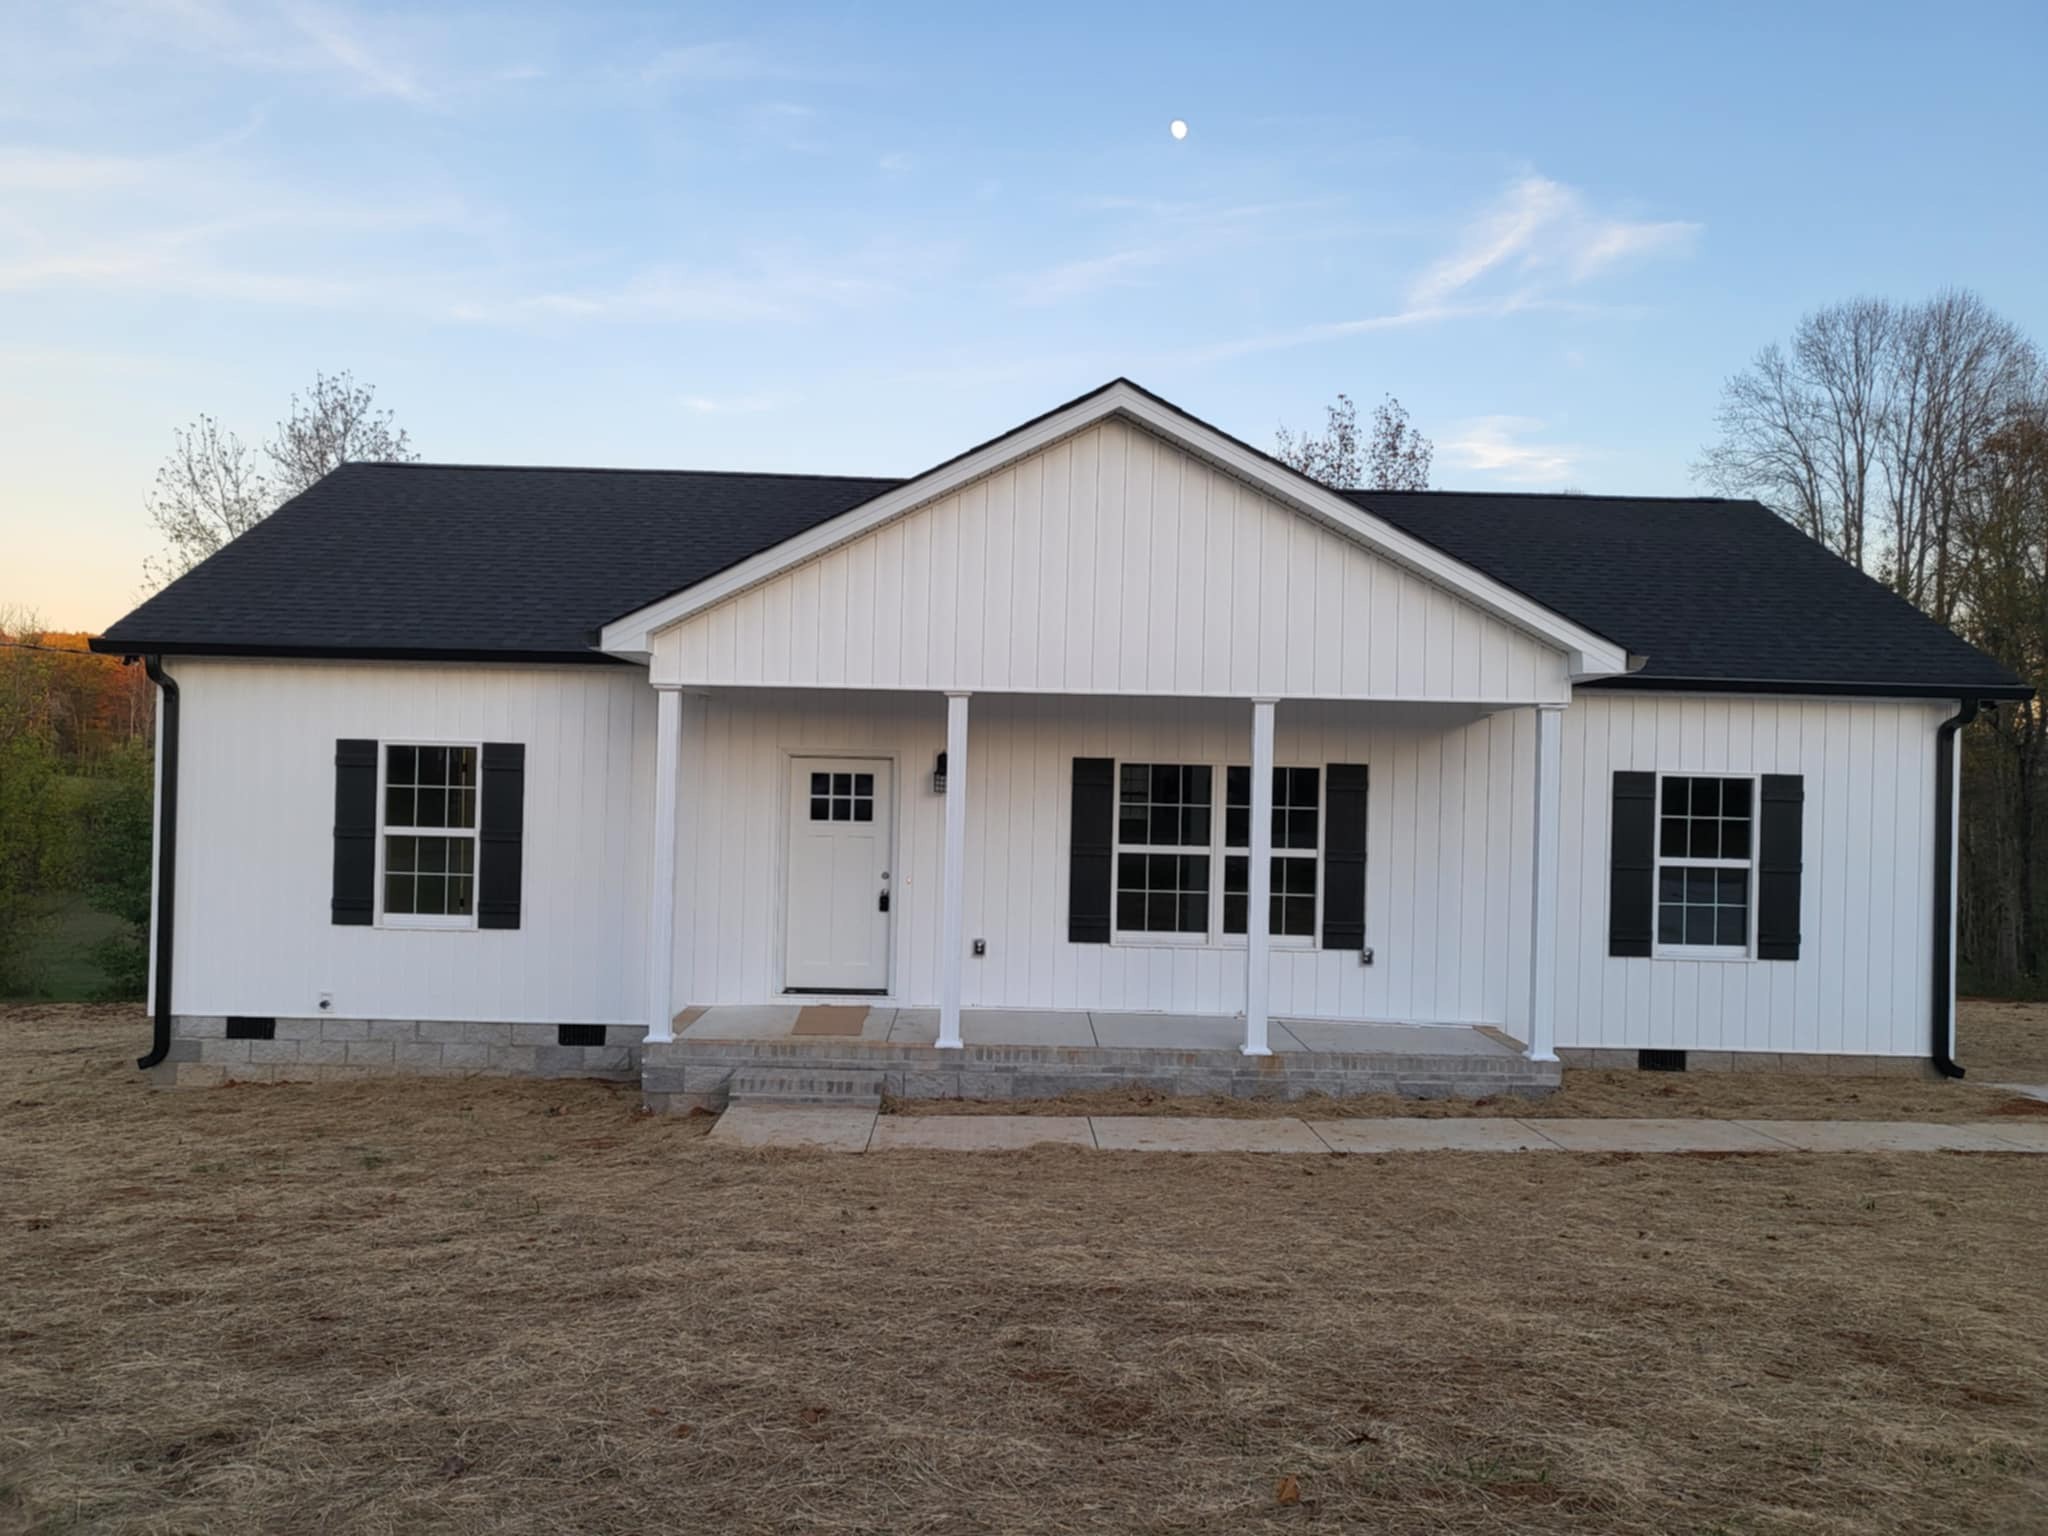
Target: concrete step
(846,1087)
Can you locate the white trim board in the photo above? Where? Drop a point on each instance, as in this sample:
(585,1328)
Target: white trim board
(1589,655)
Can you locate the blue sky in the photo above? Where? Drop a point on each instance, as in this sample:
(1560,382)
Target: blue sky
(850,239)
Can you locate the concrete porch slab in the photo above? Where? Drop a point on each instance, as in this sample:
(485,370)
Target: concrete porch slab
(1878,1136)
(996,1026)
(817,1130)
(1395,1039)
(979,1133)
(1180,1032)
(1659,1136)
(1163,1133)
(1368,1136)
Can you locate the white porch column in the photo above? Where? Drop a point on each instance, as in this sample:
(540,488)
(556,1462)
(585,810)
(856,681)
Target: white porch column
(1543,903)
(953,929)
(1258,906)
(661,903)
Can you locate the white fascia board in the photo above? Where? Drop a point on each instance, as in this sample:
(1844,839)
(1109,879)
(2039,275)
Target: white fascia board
(1589,655)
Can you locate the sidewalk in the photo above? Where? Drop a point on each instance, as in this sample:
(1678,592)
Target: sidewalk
(862,1130)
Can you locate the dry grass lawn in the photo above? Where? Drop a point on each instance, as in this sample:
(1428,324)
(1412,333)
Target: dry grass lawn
(511,1306)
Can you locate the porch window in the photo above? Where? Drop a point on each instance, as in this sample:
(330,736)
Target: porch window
(1165,821)
(1297,834)
(428,839)
(1176,873)
(1705,853)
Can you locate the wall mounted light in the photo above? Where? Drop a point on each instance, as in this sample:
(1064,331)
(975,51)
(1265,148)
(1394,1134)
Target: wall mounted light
(939,775)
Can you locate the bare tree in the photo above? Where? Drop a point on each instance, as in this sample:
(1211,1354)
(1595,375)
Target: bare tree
(1398,458)
(1395,458)
(1862,434)
(208,491)
(1331,458)
(337,423)
(212,488)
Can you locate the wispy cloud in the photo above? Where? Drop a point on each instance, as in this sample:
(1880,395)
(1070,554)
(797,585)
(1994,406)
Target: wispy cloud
(367,54)
(1539,233)
(1501,446)
(340,39)
(728,60)
(1542,229)
(737,405)
(1076,279)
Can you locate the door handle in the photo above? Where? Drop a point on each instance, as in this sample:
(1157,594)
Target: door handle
(882,902)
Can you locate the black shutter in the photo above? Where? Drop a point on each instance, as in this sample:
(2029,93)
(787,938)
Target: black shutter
(1632,865)
(1344,802)
(1091,850)
(500,860)
(355,833)
(1780,849)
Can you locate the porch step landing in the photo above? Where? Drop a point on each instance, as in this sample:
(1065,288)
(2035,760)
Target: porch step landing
(842,1087)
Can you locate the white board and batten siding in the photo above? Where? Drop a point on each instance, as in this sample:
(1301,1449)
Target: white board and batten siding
(1863,980)
(1448,865)
(1448,871)
(1447,876)
(1110,562)
(256,852)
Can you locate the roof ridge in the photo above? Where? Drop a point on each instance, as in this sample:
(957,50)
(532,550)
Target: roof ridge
(1717,501)
(614,469)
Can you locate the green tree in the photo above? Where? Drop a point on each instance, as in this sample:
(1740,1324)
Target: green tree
(116,860)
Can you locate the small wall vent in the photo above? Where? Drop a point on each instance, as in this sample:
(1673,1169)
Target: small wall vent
(579,1034)
(243,1027)
(1660,1061)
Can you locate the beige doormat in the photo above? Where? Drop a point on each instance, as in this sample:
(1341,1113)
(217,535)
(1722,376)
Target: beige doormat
(824,1019)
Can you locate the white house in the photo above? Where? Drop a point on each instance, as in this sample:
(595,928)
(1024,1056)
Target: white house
(1109,720)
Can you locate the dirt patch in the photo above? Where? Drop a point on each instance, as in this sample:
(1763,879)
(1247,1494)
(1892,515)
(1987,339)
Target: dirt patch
(1585,1095)
(522,1307)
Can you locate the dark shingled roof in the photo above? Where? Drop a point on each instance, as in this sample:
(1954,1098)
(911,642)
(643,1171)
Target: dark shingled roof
(474,561)
(1710,591)
(471,562)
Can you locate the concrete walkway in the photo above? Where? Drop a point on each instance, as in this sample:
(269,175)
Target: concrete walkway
(861,1130)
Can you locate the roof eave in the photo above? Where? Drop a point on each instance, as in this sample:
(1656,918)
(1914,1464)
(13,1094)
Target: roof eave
(1813,687)
(117,645)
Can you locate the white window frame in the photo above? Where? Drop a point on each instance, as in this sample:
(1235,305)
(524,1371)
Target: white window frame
(1745,950)
(1216,850)
(440,921)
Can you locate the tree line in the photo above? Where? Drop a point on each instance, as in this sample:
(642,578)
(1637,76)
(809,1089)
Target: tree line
(77,730)
(1912,440)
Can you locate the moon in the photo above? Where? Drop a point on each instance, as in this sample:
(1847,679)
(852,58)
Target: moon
(1177,128)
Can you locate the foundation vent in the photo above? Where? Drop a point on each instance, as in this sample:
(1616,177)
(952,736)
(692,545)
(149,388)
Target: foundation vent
(579,1034)
(243,1027)
(1660,1061)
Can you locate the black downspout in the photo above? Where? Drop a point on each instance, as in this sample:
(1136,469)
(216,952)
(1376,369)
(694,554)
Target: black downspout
(1944,885)
(166,857)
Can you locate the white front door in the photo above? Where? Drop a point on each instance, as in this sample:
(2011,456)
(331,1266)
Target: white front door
(840,889)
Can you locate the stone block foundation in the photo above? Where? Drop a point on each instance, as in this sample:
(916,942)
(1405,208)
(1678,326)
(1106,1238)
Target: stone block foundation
(318,1049)
(1812,1063)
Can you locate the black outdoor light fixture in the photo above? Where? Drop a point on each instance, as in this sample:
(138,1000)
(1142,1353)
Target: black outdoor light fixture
(939,775)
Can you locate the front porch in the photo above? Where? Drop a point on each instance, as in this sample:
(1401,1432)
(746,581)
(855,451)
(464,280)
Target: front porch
(790,1053)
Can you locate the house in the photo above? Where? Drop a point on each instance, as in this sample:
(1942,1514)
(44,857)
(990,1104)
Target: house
(1111,745)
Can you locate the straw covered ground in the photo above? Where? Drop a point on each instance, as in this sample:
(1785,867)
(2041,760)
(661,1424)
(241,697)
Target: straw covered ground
(515,1306)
